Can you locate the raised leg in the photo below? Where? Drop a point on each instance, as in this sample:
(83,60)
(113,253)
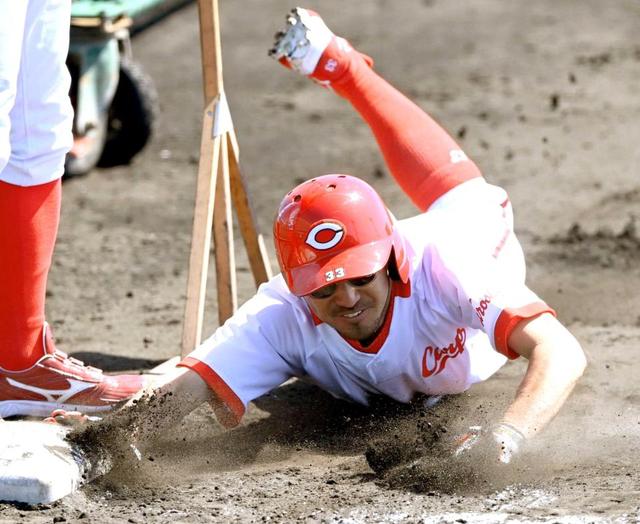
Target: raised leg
(425,161)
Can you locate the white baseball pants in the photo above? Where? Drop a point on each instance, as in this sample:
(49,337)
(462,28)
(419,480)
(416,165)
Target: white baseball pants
(36,116)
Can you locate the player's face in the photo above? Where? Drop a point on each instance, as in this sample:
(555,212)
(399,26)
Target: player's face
(356,308)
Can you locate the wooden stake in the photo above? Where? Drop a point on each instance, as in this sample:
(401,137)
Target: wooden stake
(200,236)
(253,240)
(223,240)
(220,183)
(211,49)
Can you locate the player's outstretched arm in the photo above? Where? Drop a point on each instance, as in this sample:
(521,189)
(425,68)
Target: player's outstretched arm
(556,362)
(173,397)
(116,437)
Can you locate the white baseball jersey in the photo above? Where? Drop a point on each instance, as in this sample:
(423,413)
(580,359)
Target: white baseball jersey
(446,329)
(35,112)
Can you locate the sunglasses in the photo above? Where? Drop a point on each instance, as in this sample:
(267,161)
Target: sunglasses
(327,291)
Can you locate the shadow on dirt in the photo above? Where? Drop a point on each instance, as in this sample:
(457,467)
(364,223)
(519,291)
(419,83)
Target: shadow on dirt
(115,363)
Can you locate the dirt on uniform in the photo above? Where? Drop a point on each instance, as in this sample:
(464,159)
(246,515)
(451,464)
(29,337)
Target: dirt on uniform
(543,96)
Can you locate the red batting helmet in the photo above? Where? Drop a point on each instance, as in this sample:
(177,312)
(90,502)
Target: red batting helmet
(333,228)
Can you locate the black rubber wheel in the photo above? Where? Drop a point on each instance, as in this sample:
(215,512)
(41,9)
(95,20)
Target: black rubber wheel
(86,150)
(132,115)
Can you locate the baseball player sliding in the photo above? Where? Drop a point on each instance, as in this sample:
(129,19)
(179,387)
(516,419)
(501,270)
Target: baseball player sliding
(368,305)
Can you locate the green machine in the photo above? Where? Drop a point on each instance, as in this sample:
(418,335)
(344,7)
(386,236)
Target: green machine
(115,102)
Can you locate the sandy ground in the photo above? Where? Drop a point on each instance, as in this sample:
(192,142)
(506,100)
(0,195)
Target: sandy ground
(543,95)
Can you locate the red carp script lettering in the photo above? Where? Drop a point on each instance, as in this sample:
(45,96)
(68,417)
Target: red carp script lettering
(435,358)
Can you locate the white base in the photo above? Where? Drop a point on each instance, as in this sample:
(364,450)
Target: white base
(37,465)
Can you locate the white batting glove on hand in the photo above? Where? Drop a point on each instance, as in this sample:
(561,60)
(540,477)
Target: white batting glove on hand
(509,438)
(498,444)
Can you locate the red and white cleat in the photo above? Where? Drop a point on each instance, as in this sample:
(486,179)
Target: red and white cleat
(57,381)
(309,47)
(302,42)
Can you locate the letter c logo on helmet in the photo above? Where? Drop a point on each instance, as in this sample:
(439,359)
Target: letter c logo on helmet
(325,235)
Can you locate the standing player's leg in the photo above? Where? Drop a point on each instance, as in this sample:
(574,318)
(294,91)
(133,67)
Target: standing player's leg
(422,157)
(28,215)
(35,134)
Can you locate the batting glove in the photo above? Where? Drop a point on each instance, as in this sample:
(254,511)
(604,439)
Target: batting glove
(502,442)
(509,439)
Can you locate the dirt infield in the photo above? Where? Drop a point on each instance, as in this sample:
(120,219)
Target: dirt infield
(542,95)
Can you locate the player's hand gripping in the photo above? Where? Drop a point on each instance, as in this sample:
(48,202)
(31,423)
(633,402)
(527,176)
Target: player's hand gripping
(497,445)
(69,418)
